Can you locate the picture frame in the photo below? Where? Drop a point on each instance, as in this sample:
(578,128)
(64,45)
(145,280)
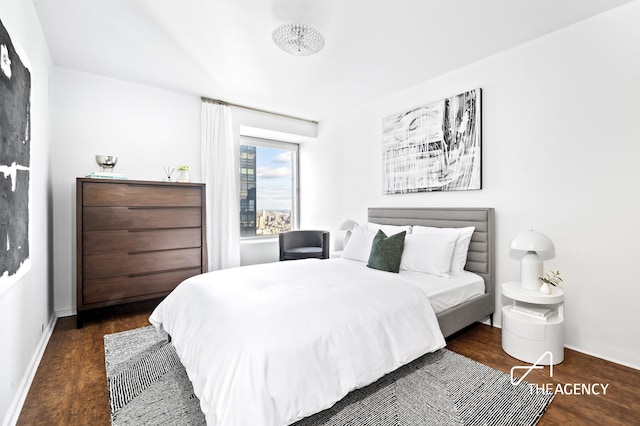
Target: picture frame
(436,147)
(15,161)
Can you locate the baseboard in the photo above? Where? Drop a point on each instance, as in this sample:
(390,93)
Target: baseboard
(65,313)
(615,361)
(21,395)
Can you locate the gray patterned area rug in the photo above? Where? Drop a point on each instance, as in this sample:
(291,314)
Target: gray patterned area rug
(149,386)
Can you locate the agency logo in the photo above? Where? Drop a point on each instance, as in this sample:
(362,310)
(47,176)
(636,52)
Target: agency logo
(555,388)
(529,368)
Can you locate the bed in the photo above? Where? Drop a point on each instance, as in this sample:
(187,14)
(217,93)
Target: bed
(270,344)
(480,257)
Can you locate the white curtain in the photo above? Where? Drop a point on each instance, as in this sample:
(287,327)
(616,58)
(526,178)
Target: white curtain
(220,176)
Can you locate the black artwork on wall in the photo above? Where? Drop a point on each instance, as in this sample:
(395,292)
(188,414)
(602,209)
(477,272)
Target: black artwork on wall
(15,147)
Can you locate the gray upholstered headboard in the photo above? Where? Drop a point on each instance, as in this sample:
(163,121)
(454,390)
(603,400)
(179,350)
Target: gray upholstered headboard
(480,258)
(481,250)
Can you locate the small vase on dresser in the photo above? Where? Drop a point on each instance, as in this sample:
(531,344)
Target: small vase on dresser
(183,176)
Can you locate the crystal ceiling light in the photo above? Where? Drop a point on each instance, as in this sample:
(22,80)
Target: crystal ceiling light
(298,39)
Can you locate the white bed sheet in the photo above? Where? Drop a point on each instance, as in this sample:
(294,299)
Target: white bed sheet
(447,292)
(267,345)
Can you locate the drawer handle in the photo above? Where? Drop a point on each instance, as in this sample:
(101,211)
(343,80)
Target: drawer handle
(130,253)
(163,207)
(155,186)
(162,229)
(138,275)
(142,274)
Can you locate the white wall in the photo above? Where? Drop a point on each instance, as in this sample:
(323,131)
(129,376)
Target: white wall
(26,308)
(560,146)
(147,128)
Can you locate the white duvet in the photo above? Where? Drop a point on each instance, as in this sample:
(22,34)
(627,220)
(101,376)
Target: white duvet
(270,344)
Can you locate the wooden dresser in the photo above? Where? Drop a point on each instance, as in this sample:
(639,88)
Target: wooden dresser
(136,240)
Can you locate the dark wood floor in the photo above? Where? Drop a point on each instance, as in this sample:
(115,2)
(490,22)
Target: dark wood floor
(70,385)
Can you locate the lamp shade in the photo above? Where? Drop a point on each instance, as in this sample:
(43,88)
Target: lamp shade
(532,241)
(531,248)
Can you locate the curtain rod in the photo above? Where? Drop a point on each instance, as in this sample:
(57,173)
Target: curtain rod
(218,101)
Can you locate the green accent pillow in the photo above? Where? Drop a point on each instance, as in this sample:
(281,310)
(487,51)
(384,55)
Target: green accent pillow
(386,252)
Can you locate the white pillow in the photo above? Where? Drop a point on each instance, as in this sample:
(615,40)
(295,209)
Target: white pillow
(428,253)
(358,247)
(389,230)
(459,259)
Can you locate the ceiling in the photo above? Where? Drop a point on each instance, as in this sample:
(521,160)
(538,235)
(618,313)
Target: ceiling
(222,49)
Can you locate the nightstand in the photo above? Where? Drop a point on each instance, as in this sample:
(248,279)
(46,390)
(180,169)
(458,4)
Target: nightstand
(533,324)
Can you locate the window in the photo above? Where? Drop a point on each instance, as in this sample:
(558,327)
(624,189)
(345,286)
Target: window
(268,187)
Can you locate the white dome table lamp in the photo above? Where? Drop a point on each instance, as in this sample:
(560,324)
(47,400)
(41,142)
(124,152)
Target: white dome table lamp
(531,248)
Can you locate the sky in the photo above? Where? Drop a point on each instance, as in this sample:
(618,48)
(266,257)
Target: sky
(273,178)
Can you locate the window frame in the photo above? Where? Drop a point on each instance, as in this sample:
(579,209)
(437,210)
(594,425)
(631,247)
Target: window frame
(294,148)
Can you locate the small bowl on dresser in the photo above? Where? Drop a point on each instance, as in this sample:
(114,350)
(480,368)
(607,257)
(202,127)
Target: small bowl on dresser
(106,162)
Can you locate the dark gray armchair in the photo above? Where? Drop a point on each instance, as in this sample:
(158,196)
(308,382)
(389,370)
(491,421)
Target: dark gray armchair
(304,245)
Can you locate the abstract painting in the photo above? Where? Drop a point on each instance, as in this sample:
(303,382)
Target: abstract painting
(15,159)
(433,148)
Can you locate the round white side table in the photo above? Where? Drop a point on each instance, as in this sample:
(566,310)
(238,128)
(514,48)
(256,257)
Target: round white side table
(533,324)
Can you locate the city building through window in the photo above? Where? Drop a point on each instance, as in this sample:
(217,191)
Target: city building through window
(268,187)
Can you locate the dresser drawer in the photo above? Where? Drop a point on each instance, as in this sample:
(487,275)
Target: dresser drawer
(104,242)
(120,288)
(139,195)
(117,264)
(108,218)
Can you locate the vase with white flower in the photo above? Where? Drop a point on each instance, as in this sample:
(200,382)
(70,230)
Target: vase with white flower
(550,279)
(183,173)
